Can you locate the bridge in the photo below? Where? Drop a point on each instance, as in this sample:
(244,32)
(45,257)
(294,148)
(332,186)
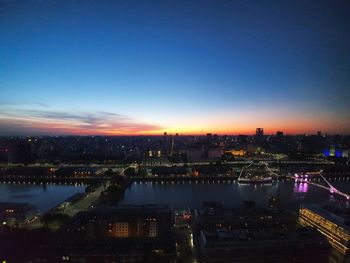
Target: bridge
(329,187)
(305,179)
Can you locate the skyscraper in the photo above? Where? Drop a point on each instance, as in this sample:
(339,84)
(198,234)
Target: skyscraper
(259,132)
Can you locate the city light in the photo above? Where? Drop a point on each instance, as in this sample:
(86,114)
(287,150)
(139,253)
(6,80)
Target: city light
(337,236)
(175,131)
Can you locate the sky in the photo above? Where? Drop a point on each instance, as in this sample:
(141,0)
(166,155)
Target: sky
(141,67)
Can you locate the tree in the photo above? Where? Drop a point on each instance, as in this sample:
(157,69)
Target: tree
(130,172)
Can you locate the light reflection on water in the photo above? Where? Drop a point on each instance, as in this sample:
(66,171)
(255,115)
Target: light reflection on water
(301,187)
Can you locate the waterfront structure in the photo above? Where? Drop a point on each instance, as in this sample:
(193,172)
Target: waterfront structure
(332,222)
(255,174)
(16,213)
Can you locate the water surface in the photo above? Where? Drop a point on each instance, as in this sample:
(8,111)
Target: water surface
(43,197)
(185,194)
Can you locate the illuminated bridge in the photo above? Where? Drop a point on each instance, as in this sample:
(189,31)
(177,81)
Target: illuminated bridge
(305,179)
(329,187)
(334,228)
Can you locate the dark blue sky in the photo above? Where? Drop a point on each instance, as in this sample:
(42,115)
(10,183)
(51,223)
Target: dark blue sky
(135,67)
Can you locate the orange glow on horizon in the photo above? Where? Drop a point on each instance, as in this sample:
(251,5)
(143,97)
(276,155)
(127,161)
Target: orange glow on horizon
(109,128)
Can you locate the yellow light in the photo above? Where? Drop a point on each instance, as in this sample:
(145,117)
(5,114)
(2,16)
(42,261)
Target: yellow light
(336,235)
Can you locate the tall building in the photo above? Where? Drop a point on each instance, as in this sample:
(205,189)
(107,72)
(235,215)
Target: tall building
(279,133)
(259,136)
(259,132)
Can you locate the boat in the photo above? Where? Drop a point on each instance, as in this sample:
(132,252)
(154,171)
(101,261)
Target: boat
(255,174)
(255,180)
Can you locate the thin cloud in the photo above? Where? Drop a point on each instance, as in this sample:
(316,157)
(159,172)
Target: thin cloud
(15,104)
(31,122)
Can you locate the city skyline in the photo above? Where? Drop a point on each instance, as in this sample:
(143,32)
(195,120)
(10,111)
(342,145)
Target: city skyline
(145,68)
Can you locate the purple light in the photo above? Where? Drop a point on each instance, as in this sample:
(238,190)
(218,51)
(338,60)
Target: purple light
(301,188)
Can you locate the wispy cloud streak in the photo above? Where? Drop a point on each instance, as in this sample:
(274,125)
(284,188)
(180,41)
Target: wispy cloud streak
(24,122)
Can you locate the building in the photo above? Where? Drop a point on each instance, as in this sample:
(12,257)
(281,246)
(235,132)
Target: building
(194,154)
(127,221)
(253,234)
(259,136)
(279,133)
(259,132)
(215,153)
(330,221)
(16,213)
(115,234)
(238,153)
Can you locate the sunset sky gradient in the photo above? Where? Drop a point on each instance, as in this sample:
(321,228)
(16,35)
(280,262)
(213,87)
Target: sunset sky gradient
(188,67)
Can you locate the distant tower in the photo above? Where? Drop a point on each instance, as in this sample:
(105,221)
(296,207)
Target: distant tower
(259,136)
(259,132)
(172,147)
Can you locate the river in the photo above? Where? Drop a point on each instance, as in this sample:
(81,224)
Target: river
(44,197)
(181,195)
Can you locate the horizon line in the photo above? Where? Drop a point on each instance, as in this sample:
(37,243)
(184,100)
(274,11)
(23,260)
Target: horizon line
(171,134)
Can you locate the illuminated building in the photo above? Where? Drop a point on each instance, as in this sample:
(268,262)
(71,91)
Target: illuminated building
(253,234)
(120,229)
(336,152)
(236,152)
(125,233)
(330,222)
(124,222)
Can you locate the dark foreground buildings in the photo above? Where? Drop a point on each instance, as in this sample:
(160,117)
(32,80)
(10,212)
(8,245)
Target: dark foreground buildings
(114,234)
(15,214)
(146,234)
(255,235)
